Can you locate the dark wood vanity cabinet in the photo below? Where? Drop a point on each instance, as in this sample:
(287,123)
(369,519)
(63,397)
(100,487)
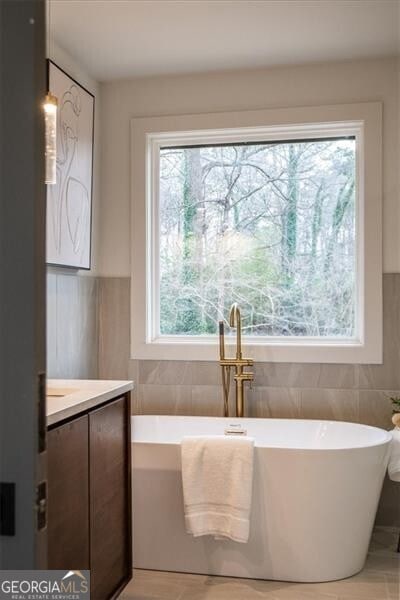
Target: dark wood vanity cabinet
(89,497)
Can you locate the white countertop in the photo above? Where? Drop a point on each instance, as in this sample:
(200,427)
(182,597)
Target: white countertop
(73,396)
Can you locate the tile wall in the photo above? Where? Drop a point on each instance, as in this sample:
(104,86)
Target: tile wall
(72,326)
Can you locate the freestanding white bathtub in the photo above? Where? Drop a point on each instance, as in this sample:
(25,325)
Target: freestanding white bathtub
(315,494)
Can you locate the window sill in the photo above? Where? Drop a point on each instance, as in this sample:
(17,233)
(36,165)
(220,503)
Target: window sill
(298,351)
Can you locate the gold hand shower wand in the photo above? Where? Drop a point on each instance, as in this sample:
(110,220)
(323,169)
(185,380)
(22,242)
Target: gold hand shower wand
(225,370)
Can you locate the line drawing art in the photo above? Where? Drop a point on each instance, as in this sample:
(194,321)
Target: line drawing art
(69,200)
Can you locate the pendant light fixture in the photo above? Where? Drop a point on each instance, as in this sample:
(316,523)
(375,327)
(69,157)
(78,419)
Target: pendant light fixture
(50,122)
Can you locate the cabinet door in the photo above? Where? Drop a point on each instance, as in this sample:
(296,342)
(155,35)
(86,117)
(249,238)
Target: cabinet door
(110,544)
(68,496)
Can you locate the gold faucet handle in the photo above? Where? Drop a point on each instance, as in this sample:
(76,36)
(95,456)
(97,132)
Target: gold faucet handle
(245,376)
(236,362)
(249,361)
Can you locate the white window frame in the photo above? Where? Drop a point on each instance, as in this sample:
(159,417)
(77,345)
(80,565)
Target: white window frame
(148,135)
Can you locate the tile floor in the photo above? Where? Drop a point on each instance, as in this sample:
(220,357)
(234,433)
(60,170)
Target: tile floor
(380,580)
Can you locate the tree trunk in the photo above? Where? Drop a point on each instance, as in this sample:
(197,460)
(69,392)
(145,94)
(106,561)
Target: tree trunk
(344,197)
(290,218)
(193,217)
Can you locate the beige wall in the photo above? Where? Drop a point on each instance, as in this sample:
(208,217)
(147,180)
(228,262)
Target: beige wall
(328,83)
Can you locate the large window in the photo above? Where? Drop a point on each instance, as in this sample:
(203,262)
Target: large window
(279,211)
(270,226)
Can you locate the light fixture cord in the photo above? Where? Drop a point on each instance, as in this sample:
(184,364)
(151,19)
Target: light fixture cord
(48,28)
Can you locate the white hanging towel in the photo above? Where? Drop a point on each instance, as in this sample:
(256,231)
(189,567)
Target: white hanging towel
(217,477)
(394,460)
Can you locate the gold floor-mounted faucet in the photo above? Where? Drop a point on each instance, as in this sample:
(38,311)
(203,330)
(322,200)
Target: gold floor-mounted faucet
(238,363)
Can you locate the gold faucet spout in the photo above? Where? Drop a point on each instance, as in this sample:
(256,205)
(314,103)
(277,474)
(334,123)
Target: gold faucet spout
(235,320)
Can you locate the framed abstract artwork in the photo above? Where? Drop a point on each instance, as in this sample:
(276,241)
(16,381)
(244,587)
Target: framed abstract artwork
(69,201)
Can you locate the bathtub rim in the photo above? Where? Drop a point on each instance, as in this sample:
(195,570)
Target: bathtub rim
(387,435)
